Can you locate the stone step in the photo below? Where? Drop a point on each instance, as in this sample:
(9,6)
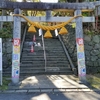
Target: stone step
(54,48)
(52,44)
(46,50)
(41,62)
(39,69)
(45,72)
(34,70)
(48,55)
(41,49)
(32,65)
(42,65)
(39,56)
(29,43)
(40,73)
(49,39)
(62,69)
(41,53)
(26,69)
(35,46)
(31,37)
(58,65)
(42,59)
(35,49)
(31,62)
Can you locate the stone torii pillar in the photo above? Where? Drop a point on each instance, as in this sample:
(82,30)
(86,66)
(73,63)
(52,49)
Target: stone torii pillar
(16,48)
(80,48)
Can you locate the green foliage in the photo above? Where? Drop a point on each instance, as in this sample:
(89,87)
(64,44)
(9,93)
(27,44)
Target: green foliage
(73,25)
(62,0)
(94,80)
(5,84)
(6,31)
(89,32)
(85,14)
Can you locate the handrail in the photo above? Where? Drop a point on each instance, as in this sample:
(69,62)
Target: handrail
(44,52)
(23,41)
(68,56)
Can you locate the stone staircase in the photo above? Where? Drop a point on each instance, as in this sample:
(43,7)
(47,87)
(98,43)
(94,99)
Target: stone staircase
(56,58)
(34,63)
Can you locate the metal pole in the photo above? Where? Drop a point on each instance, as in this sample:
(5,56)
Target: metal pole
(16,48)
(80,48)
(0,61)
(68,56)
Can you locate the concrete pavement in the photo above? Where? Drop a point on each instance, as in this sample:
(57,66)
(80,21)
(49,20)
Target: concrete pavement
(48,83)
(51,96)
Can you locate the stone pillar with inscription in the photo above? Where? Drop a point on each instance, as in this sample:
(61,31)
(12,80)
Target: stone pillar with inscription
(16,48)
(80,48)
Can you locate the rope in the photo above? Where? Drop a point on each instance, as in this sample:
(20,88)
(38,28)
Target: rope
(48,27)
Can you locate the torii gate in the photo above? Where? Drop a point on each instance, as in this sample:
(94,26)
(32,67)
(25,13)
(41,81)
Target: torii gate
(76,7)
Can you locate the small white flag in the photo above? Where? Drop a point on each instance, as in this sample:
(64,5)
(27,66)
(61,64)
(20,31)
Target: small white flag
(40,32)
(56,32)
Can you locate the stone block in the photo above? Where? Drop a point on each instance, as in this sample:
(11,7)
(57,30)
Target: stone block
(59,90)
(21,91)
(91,43)
(46,90)
(87,47)
(74,59)
(97,46)
(95,52)
(90,63)
(94,58)
(91,70)
(96,64)
(87,58)
(87,38)
(34,90)
(98,68)
(99,62)
(70,50)
(87,53)
(96,39)
(9,91)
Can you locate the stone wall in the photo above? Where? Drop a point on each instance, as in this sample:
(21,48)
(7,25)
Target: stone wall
(91,46)
(7,52)
(7,49)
